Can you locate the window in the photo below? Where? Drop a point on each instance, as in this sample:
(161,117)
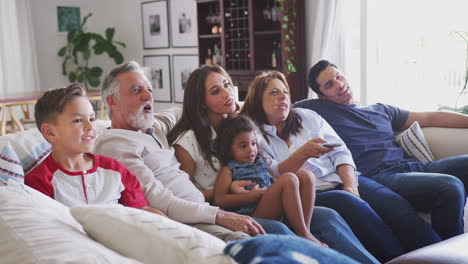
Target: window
(409,56)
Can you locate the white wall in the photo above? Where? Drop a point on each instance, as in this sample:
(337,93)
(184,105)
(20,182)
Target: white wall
(123,15)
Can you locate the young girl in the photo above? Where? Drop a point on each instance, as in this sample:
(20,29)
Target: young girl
(290,195)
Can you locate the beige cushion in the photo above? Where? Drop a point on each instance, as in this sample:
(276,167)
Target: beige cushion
(149,237)
(446,142)
(36,229)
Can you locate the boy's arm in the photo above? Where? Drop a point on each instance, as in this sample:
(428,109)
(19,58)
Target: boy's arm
(224,199)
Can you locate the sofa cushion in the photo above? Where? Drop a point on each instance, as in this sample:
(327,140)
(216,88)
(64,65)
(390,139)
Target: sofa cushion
(30,146)
(413,142)
(36,229)
(149,237)
(10,166)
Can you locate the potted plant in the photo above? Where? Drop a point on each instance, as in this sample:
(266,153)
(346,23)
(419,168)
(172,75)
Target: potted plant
(79,49)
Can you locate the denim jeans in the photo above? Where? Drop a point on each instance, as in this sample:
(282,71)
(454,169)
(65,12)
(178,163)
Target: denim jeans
(283,249)
(430,187)
(374,234)
(328,226)
(410,229)
(273,226)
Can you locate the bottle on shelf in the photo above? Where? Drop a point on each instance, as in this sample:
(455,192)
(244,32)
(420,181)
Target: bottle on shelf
(208,58)
(274,59)
(217,58)
(279,57)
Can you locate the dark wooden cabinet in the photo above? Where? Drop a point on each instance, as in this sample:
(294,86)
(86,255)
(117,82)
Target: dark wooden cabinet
(249,36)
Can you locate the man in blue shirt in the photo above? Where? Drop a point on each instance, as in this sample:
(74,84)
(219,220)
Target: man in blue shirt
(369,131)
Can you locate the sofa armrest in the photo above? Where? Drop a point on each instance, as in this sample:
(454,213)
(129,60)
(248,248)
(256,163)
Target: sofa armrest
(446,142)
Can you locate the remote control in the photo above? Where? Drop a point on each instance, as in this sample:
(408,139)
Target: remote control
(331,145)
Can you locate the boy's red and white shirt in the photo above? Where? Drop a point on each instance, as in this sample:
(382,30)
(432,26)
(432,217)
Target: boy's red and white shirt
(108,182)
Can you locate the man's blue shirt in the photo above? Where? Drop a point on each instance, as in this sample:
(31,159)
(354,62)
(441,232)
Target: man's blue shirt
(367,131)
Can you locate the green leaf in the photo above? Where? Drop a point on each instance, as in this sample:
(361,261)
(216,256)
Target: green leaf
(291,68)
(98,48)
(72,77)
(85,19)
(284,25)
(86,55)
(64,65)
(118,58)
(286,18)
(110,33)
(280,8)
(120,43)
(288,49)
(286,37)
(94,81)
(62,51)
(95,71)
(80,77)
(70,35)
(83,43)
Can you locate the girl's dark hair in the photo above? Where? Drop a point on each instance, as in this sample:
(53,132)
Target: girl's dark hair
(229,129)
(53,102)
(253,105)
(194,111)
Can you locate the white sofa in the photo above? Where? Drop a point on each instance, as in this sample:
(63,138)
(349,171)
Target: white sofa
(37,229)
(32,225)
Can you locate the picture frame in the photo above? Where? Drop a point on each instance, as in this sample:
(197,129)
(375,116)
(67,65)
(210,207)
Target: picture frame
(157,69)
(155,24)
(183,65)
(68,18)
(184,26)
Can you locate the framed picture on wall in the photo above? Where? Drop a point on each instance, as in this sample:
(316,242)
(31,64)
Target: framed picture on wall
(155,24)
(68,18)
(184,29)
(157,70)
(183,66)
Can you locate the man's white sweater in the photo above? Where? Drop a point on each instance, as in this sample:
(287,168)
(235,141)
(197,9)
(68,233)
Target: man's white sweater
(153,161)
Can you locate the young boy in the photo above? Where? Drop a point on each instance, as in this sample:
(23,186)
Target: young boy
(71,174)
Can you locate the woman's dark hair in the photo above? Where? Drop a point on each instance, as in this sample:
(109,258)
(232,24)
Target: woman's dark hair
(229,129)
(315,71)
(194,111)
(253,105)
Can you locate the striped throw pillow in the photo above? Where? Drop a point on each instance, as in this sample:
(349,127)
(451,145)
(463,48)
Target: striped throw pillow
(413,142)
(10,166)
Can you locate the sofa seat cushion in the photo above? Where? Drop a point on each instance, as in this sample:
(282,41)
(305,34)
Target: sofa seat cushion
(148,237)
(450,251)
(36,229)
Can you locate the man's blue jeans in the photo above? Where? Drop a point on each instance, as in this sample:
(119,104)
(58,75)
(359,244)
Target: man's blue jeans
(328,226)
(430,187)
(283,249)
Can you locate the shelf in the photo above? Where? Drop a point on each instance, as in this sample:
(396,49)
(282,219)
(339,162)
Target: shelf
(267,32)
(210,36)
(207,1)
(256,38)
